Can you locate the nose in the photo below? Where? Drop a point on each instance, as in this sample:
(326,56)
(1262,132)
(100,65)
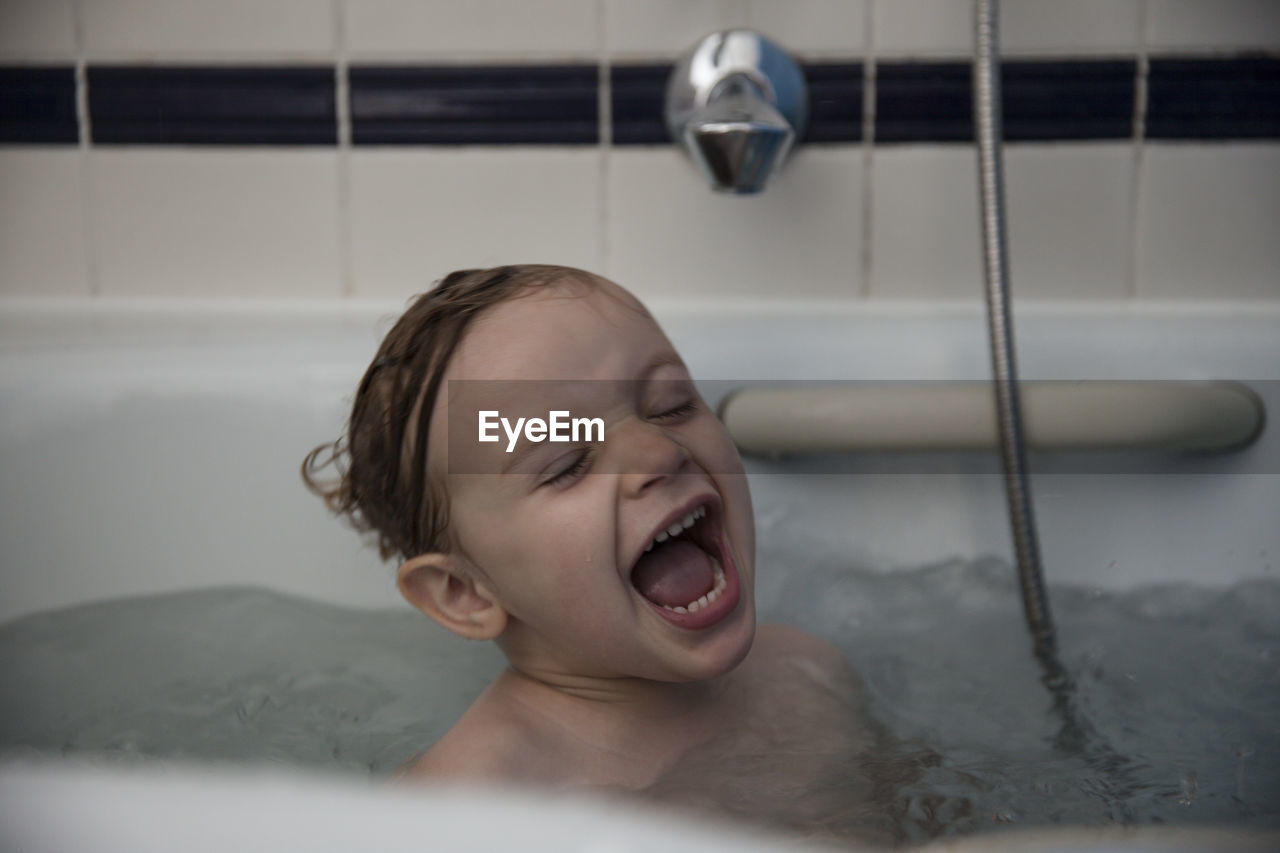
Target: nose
(647,456)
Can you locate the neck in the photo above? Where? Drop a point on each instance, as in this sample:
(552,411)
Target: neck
(635,726)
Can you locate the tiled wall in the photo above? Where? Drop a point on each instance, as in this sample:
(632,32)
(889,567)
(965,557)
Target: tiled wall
(1147,166)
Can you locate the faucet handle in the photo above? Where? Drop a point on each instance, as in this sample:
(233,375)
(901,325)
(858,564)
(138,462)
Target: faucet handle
(736,102)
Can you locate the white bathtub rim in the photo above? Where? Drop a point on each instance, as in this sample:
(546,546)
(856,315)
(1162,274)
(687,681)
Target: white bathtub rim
(77,805)
(163,806)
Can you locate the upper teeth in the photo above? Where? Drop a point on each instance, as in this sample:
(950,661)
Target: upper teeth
(679,527)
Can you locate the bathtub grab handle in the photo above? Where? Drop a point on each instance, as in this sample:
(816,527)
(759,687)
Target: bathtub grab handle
(1212,417)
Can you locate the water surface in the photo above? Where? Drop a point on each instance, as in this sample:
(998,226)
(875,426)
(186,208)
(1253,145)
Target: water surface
(1174,718)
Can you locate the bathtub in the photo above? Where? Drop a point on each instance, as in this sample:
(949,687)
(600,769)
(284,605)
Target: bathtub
(149,448)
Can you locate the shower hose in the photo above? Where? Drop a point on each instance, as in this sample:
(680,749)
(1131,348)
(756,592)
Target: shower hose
(987,124)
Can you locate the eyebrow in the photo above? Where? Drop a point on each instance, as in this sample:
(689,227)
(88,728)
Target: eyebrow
(523,450)
(666,359)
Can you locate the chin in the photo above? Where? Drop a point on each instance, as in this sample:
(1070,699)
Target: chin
(748,636)
(729,649)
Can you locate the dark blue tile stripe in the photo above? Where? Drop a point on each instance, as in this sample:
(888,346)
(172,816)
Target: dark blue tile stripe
(636,95)
(213,105)
(1213,99)
(932,102)
(835,102)
(1077,99)
(38,106)
(923,102)
(502,105)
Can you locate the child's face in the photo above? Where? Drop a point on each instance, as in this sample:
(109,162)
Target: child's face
(558,536)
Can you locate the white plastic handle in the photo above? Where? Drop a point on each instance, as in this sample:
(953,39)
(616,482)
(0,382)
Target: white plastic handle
(1058,415)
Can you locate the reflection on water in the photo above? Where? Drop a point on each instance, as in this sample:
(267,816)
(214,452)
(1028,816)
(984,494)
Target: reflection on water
(1176,695)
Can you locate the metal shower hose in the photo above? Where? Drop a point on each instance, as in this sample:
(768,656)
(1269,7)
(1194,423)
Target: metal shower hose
(987,123)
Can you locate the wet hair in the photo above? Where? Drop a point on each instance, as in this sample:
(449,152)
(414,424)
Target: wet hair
(382,484)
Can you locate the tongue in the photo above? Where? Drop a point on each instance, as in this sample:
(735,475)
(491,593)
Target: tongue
(673,574)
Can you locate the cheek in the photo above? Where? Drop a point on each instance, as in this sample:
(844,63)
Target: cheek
(545,547)
(718,453)
(741,517)
(722,461)
(576,523)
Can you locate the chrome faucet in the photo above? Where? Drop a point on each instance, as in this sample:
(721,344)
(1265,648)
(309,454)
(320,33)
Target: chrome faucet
(737,102)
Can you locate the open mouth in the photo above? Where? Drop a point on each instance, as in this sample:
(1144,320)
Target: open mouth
(685,572)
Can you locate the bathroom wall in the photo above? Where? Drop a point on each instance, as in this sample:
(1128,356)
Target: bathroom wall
(336,149)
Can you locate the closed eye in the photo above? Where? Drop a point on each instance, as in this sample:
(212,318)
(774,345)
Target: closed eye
(576,469)
(682,409)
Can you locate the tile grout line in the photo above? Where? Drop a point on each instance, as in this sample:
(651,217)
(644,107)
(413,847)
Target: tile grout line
(1137,183)
(866,261)
(604,109)
(84,144)
(342,110)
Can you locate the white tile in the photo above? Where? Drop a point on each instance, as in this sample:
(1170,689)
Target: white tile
(1026,27)
(1030,27)
(812,27)
(1068,213)
(465,28)
(1214,24)
(37,28)
(141,29)
(923,27)
(216,222)
(419,214)
(666,28)
(42,247)
(671,235)
(1070,220)
(925,223)
(1210,222)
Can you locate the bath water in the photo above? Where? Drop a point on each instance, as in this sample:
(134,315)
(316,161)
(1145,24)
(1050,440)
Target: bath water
(1174,715)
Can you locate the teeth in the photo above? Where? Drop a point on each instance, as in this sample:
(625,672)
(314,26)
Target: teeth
(704,599)
(677,528)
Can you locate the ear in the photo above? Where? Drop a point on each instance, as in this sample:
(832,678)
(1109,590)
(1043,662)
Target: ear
(437,585)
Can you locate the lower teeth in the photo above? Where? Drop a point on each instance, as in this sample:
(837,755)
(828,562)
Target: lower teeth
(704,600)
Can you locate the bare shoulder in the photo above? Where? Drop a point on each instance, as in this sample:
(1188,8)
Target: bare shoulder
(784,653)
(806,693)
(783,641)
(487,749)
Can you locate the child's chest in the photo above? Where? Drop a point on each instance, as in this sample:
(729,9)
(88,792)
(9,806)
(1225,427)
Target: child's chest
(793,752)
